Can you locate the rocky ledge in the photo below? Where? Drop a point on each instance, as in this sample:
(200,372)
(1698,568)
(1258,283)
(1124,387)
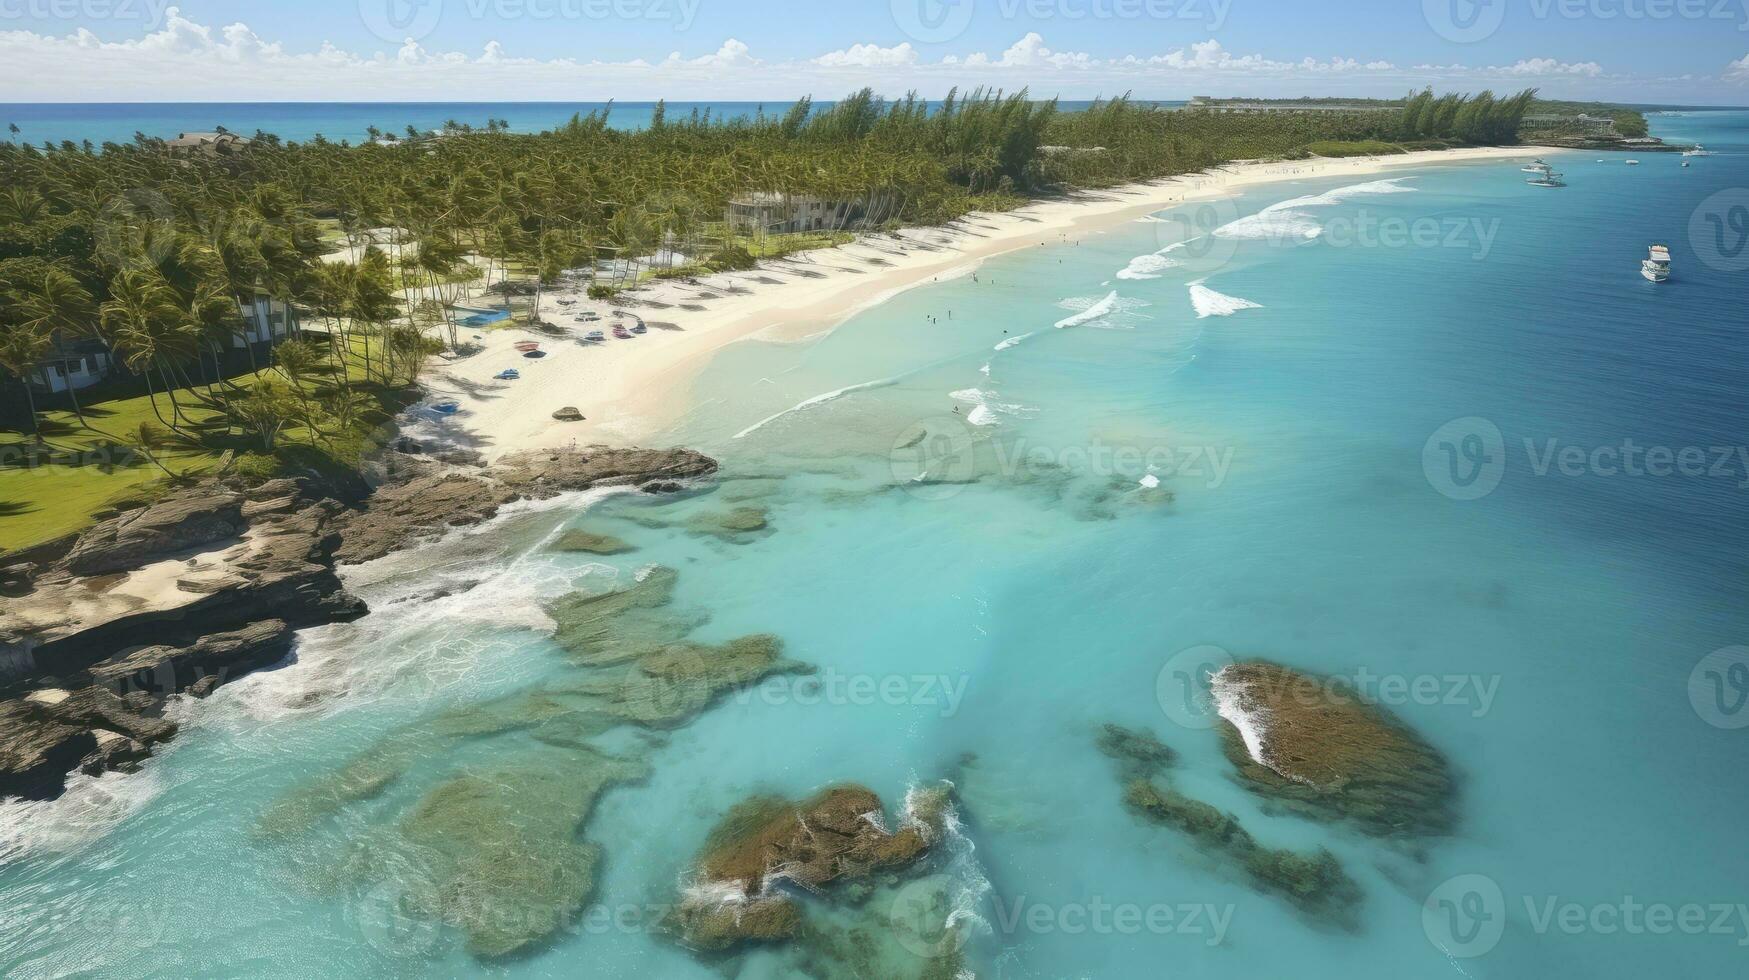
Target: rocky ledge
(212,582)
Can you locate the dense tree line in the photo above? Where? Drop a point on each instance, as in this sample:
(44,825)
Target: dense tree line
(153,251)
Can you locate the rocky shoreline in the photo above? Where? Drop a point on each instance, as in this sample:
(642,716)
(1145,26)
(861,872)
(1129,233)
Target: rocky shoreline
(212,582)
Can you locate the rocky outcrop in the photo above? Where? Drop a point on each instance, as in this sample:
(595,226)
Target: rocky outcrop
(209,583)
(1326,752)
(149,533)
(834,836)
(432,499)
(50,732)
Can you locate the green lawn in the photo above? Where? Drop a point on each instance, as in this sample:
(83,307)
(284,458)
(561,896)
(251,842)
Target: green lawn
(86,470)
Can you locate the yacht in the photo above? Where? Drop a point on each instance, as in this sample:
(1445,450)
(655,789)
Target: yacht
(1697,151)
(1547,178)
(1633,163)
(1536,167)
(1656,266)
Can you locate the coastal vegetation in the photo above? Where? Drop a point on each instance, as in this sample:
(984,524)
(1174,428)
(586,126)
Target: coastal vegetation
(173,261)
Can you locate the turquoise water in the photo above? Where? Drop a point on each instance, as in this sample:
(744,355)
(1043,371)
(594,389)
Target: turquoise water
(117,122)
(1032,589)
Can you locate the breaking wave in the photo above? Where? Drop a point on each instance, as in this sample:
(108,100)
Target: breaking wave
(1289,221)
(815,401)
(1210,303)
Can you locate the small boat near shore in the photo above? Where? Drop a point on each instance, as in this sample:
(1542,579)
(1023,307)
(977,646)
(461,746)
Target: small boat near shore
(1656,265)
(1548,178)
(525,346)
(621,332)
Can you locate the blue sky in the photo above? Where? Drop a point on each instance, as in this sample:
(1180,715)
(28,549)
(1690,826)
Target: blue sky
(145,50)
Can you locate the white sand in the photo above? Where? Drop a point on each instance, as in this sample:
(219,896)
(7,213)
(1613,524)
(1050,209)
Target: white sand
(628,389)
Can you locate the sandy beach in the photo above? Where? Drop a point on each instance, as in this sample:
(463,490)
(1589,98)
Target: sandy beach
(629,388)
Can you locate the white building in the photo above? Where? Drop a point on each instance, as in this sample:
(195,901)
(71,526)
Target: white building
(264,322)
(72,365)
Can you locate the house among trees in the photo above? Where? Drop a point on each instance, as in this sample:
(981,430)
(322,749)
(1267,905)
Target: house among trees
(72,364)
(772,213)
(218,142)
(76,363)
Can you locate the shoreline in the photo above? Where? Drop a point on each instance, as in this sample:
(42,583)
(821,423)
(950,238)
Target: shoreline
(629,390)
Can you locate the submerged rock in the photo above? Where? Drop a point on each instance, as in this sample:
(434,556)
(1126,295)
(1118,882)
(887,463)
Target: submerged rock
(731,525)
(1323,751)
(501,847)
(1137,752)
(1315,883)
(577,539)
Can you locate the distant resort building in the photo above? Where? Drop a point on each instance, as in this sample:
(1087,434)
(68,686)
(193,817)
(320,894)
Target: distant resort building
(774,213)
(264,322)
(1583,123)
(207,142)
(1206,104)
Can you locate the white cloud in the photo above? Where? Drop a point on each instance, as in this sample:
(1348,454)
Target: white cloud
(1738,71)
(869,56)
(186,60)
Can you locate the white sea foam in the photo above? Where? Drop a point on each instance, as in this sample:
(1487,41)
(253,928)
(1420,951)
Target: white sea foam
(1289,220)
(91,807)
(1105,312)
(815,401)
(1210,303)
(1251,722)
(1148,266)
(1012,342)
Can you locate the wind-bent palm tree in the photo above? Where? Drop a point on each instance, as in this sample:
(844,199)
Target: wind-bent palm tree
(58,305)
(22,348)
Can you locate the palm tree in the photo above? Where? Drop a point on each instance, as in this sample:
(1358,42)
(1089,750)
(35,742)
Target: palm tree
(58,305)
(22,348)
(141,315)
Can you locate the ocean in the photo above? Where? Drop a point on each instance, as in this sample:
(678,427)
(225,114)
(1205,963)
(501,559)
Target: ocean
(117,122)
(1430,432)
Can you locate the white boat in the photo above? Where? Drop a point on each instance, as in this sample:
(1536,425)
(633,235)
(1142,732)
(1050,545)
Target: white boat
(1536,167)
(1548,179)
(1656,265)
(1633,163)
(1698,151)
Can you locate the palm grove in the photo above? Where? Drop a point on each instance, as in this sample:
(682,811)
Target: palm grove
(155,254)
